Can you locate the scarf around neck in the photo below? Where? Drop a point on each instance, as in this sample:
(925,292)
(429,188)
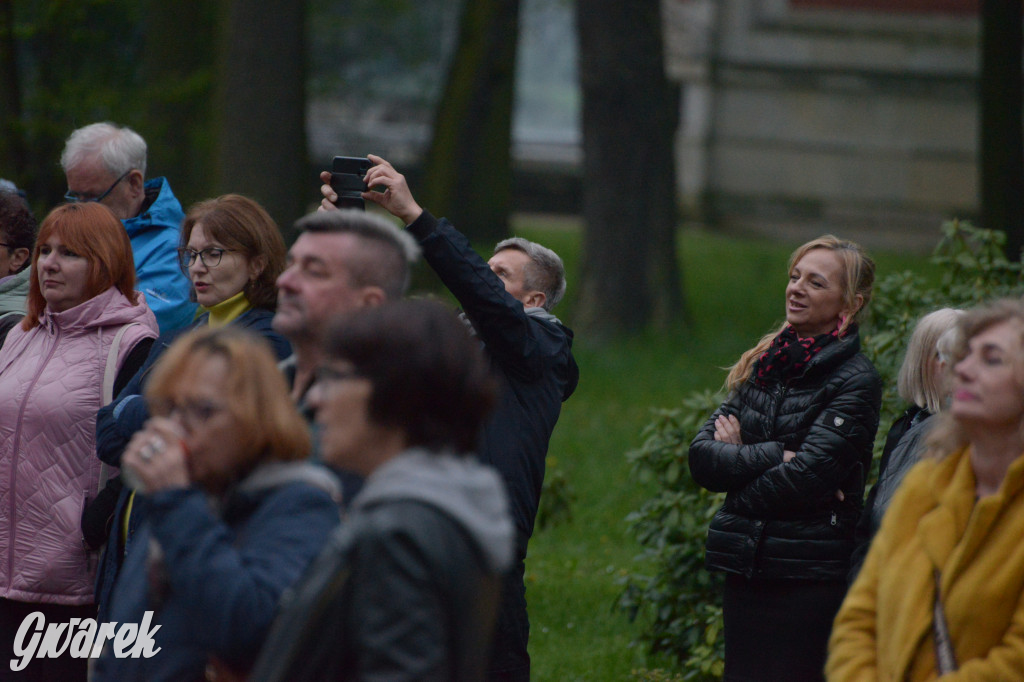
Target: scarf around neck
(788,355)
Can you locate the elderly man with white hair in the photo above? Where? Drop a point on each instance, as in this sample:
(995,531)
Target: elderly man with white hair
(106,163)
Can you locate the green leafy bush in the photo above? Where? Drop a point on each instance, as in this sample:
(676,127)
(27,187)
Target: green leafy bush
(679,599)
(680,602)
(973,269)
(557,497)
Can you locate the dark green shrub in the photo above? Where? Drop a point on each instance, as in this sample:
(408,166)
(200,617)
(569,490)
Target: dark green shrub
(557,497)
(680,601)
(973,269)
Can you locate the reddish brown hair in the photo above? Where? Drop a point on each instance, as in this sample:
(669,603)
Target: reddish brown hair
(257,395)
(93,232)
(241,224)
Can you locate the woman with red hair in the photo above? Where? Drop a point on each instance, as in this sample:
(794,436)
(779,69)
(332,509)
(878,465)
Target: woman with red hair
(86,331)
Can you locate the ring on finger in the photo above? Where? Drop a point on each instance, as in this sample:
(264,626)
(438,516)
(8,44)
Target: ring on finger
(153,447)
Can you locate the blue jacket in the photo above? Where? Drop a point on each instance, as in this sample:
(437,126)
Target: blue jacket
(155,235)
(215,581)
(117,422)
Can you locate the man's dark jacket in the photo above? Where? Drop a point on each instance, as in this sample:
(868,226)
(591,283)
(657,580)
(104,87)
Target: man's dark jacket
(784,520)
(531,352)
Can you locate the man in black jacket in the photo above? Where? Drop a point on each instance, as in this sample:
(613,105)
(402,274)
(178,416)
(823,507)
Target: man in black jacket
(507,301)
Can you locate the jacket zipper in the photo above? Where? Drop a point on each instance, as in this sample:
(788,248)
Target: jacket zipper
(780,393)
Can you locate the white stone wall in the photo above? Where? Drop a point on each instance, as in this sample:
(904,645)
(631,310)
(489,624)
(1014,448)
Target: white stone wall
(810,120)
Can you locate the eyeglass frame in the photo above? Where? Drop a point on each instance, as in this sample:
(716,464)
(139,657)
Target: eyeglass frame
(75,198)
(193,413)
(194,255)
(325,374)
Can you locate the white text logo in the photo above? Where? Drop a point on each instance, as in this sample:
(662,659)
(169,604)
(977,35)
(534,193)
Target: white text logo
(81,638)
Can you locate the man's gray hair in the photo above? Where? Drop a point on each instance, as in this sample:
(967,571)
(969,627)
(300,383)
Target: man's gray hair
(120,149)
(545,271)
(387,253)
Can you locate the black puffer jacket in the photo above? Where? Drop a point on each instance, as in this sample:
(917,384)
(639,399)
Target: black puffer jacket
(784,520)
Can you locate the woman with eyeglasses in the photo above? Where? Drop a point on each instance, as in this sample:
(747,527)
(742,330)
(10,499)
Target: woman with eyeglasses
(85,333)
(232,253)
(233,512)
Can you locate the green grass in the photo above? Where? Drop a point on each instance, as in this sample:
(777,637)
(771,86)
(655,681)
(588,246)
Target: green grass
(734,290)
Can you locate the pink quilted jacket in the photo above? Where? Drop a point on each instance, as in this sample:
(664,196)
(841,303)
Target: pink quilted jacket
(50,389)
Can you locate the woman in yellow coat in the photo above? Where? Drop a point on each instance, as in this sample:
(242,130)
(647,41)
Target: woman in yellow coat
(957,522)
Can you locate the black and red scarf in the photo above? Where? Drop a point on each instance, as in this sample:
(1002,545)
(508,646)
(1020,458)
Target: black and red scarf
(788,355)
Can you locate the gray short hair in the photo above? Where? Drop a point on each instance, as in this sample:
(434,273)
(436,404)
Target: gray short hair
(388,251)
(545,271)
(119,148)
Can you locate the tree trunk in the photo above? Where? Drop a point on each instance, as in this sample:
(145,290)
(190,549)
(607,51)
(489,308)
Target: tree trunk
(13,150)
(630,114)
(177,76)
(1001,144)
(261,108)
(467,173)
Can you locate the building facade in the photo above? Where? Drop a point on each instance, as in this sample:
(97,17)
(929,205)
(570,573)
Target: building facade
(857,117)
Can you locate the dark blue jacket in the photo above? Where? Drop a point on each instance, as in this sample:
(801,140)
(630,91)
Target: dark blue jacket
(531,352)
(216,579)
(117,422)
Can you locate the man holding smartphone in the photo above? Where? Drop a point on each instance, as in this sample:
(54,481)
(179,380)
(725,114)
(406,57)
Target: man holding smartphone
(507,300)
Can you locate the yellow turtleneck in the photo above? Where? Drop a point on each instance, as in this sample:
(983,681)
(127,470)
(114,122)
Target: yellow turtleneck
(227,311)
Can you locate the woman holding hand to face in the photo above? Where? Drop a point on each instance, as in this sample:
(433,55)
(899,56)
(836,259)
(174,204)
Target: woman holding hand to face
(941,592)
(791,446)
(232,512)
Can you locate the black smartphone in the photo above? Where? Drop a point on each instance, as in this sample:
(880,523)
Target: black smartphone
(348,175)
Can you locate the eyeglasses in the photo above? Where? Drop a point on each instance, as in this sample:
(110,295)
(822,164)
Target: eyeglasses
(75,197)
(193,413)
(210,256)
(325,374)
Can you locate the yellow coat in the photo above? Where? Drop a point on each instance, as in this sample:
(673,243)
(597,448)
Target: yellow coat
(884,629)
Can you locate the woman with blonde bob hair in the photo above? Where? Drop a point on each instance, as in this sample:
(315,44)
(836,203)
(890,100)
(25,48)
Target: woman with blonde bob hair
(923,382)
(85,334)
(791,446)
(941,592)
(231,513)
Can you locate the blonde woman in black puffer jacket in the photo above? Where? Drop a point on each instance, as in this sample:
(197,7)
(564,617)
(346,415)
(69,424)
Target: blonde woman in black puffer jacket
(791,447)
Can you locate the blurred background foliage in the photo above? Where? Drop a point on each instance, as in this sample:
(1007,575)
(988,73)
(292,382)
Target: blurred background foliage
(228,94)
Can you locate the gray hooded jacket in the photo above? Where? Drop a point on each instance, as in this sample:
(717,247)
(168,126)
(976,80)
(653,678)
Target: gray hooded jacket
(408,587)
